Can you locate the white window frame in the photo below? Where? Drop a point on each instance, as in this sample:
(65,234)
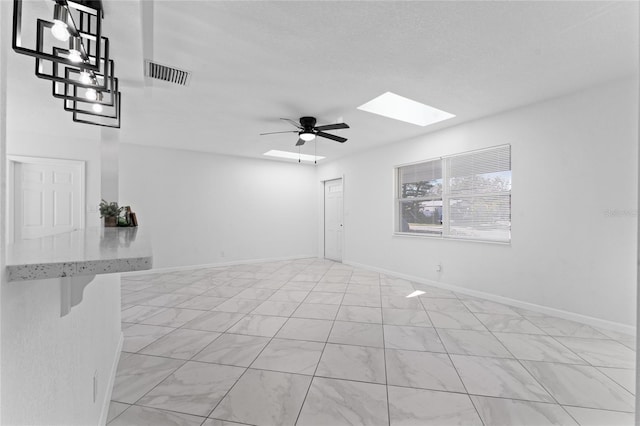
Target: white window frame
(445,196)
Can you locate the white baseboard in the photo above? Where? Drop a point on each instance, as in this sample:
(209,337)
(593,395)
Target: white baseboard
(217,265)
(104,413)
(572,316)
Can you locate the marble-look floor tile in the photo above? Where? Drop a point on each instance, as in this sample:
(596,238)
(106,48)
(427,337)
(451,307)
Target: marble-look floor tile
(205,303)
(370,300)
(258,325)
(289,295)
(279,309)
(137,336)
(305,329)
(362,289)
(412,338)
(537,348)
(233,349)
(344,403)
(181,343)
(215,321)
(243,306)
(195,388)
(508,323)
(305,286)
(422,370)
(223,291)
(218,422)
(115,409)
(362,363)
(137,314)
(562,327)
(357,333)
(470,342)
(264,398)
(401,302)
(137,297)
(330,287)
(456,320)
(174,317)
(411,317)
(433,292)
(419,407)
(316,311)
(593,417)
(138,374)
(601,353)
(443,305)
(581,385)
(290,356)
(324,297)
(256,293)
(510,412)
(360,314)
(629,340)
(168,299)
(144,416)
(488,307)
(623,377)
(500,377)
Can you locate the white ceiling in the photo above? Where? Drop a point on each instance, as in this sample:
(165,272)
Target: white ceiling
(254,62)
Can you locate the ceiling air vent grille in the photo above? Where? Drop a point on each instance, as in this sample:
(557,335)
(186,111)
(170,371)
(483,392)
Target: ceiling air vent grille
(168,74)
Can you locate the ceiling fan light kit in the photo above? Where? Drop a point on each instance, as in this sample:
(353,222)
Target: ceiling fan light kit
(71,52)
(308,131)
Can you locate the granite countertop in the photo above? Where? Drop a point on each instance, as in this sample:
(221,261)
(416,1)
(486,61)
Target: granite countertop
(88,251)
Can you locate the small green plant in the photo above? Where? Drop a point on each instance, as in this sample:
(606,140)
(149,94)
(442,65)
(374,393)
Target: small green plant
(109,209)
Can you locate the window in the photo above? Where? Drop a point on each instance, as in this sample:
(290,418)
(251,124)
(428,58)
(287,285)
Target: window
(461,196)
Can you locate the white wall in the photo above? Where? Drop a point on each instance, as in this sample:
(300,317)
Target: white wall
(573,159)
(199,205)
(49,360)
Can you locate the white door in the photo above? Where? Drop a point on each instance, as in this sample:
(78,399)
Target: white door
(333,219)
(48,196)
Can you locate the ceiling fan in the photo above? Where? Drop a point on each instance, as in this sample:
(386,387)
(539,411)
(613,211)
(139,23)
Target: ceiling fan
(307,130)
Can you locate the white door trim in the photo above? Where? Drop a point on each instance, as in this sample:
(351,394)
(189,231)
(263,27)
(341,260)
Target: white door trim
(11,164)
(342,242)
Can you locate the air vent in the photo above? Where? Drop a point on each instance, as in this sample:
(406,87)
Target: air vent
(165,73)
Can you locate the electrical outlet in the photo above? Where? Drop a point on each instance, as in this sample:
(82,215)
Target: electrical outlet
(222,253)
(438,267)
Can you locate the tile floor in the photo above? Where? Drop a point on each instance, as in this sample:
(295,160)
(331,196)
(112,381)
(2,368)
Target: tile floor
(313,342)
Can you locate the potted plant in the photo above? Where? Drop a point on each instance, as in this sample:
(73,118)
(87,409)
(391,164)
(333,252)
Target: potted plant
(110,213)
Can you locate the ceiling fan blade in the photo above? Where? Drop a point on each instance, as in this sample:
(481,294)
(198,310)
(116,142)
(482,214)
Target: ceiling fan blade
(292,122)
(332,137)
(332,127)
(273,133)
(300,142)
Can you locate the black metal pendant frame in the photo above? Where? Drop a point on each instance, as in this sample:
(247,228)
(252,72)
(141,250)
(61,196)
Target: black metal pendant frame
(84,19)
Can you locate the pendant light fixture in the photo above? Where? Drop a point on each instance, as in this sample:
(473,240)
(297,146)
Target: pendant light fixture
(71,51)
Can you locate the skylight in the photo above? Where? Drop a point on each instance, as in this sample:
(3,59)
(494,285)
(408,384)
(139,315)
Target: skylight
(293,155)
(404,109)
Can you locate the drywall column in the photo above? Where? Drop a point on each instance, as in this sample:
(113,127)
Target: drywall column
(109,152)
(5,35)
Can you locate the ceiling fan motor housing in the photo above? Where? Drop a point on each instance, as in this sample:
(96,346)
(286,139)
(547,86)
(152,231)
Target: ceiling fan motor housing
(308,123)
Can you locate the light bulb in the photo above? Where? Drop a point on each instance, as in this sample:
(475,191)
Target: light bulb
(85,77)
(97,108)
(307,136)
(91,94)
(60,29)
(74,56)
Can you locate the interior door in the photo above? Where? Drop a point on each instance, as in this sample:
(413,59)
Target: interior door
(48,197)
(333,225)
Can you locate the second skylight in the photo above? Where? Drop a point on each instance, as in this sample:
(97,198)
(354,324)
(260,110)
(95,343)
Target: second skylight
(405,109)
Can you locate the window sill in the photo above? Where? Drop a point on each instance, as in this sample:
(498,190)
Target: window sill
(440,237)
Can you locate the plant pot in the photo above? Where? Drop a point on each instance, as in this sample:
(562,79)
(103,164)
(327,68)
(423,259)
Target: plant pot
(110,221)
